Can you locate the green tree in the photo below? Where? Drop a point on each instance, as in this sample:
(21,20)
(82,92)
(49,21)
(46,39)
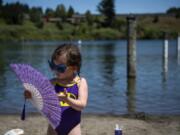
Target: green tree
(156,19)
(119,24)
(89,17)
(59,25)
(49,12)
(174,11)
(106,8)
(36,14)
(39,24)
(1,2)
(13,13)
(25,8)
(61,12)
(70,12)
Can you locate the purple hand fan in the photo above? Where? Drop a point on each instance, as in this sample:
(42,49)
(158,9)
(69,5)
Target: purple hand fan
(43,94)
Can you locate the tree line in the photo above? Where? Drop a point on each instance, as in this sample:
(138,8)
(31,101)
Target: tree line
(174,11)
(105,25)
(15,13)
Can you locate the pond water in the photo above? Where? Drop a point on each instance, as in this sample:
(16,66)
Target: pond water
(104,66)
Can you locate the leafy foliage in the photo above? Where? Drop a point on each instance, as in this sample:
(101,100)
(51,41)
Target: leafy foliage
(89,17)
(175,11)
(18,21)
(49,12)
(70,12)
(61,12)
(106,8)
(14,13)
(36,14)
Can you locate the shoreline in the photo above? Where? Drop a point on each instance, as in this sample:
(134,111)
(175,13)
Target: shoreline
(36,124)
(136,115)
(75,40)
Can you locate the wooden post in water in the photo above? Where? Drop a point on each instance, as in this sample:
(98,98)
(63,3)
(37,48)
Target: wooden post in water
(165,55)
(131,95)
(131,47)
(178,47)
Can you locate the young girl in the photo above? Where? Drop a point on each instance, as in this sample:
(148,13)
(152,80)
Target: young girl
(71,89)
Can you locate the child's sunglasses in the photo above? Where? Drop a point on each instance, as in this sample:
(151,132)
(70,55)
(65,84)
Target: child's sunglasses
(61,68)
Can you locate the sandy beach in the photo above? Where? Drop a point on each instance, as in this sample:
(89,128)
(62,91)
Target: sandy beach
(35,124)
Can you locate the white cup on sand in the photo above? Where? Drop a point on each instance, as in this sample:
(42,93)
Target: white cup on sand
(15,132)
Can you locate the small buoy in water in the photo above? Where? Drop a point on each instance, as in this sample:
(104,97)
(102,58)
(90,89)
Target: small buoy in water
(15,132)
(79,42)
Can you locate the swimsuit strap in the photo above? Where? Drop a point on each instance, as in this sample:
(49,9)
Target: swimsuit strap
(76,80)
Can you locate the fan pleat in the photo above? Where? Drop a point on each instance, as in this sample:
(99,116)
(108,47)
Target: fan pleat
(44,97)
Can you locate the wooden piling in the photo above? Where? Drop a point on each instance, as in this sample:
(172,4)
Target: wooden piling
(131,46)
(131,94)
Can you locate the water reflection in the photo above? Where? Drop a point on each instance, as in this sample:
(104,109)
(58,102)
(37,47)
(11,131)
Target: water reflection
(131,93)
(8,55)
(104,65)
(108,64)
(2,72)
(178,59)
(178,50)
(165,70)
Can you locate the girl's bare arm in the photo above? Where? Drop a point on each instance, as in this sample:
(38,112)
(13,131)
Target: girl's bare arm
(81,102)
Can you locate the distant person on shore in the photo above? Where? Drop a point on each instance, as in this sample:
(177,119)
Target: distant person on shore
(71,89)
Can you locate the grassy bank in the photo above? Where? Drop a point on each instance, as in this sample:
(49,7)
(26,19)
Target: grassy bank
(148,27)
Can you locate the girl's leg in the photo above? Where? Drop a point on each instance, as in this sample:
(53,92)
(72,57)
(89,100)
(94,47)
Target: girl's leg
(76,130)
(51,131)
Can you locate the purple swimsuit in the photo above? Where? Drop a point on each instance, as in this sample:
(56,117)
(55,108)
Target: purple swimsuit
(70,117)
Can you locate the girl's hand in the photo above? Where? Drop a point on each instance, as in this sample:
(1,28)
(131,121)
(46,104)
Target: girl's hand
(63,95)
(27,94)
